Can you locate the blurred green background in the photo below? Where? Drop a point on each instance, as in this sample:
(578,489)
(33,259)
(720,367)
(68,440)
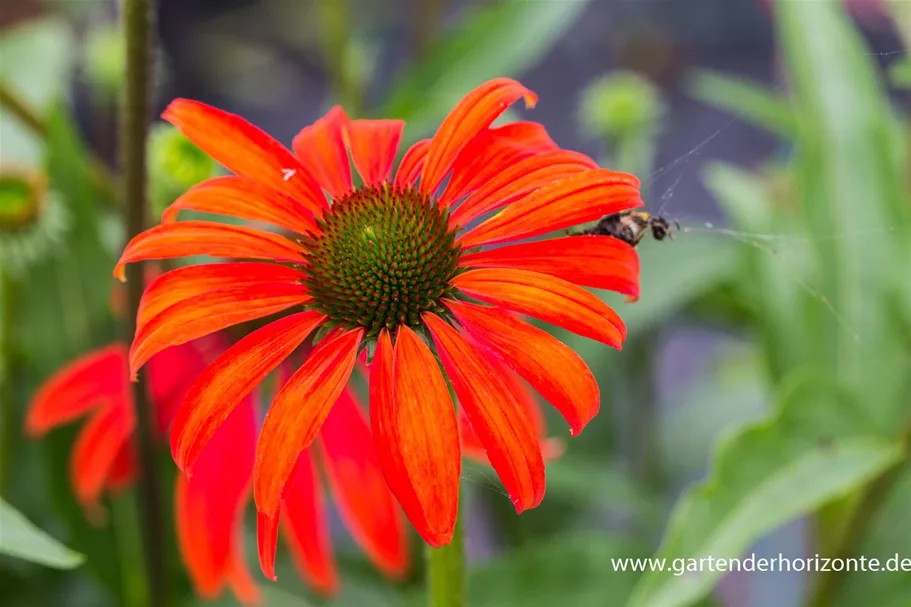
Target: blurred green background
(761,403)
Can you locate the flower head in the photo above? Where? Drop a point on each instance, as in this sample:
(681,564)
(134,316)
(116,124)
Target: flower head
(403,267)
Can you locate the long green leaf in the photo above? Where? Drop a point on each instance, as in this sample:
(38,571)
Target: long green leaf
(814,451)
(20,538)
(504,38)
(751,101)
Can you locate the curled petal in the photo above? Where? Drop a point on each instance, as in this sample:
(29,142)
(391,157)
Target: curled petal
(186,238)
(321,148)
(246,199)
(554,370)
(416,435)
(590,261)
(191,319)
(307,526)
(373,147)
(123,470)
(584,197)
(361,494)
(298,412)
(412,163)
(546,297)
(491,152)
(230,378)
(96,449)
(520,179)
(190,282)
(246,150)
(498,418)
(473,114)
(76,388)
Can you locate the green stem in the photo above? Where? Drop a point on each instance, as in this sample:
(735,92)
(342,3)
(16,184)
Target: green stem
(103,179)
(129,551)
(336,26)
(446,572)
(138,18)
(7,427)
(426,25)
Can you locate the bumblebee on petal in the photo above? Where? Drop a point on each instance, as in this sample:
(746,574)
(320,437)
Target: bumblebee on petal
(632,226)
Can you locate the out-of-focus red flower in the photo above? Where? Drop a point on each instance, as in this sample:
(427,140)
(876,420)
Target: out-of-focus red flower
(95,386)
(394,264)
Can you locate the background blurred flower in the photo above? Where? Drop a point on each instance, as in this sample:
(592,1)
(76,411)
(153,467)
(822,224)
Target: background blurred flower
(32,219)
(384,261)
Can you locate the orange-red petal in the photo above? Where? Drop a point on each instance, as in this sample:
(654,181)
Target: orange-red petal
(591,261)
(546,297)
(518,180)
(321,148)
(209,505)
(246,150)
(359,489)
(185,238)
(96,449)
(498,418)
(171,373)
(554,370)
(577,199)
(297,413)
(416,435)
(470,117)
(75,389)
(244,198)
(240,581)
(267,542)
(307,527)
(190,319)
(190,282)
(492,152)
(374,144)
(412,162)
(230,378)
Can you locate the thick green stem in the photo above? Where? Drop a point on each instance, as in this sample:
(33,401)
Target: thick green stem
(138,18)
(446,572)
(100,174)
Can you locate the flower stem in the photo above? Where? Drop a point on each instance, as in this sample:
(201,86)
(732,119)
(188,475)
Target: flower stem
(7,428)
(446,572)
(138,18)
(103,179)
(129,551)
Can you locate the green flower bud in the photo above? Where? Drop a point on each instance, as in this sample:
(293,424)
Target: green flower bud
(176,165)
(621,105)
(32,220)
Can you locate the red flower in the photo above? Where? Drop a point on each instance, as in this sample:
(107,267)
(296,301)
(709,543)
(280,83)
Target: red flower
(96,386)
(390,264)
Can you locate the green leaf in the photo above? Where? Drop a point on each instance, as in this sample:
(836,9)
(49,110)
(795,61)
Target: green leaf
(851,184)
(900,73)
(498,39)
(35,59)
(751,101)
(892,588)
(20,538)
(815,450)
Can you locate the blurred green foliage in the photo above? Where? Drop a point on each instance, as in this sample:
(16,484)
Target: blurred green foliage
(806,416)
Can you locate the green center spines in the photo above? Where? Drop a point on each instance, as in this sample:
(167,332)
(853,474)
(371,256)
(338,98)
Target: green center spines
(384,257)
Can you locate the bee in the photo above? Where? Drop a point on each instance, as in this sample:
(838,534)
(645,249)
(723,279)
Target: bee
(632,226)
